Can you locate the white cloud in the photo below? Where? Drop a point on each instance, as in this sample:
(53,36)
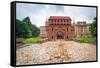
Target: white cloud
(39,13)
(81,13)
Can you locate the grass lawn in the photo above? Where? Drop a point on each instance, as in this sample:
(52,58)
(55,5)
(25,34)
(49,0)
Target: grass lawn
(32,40)
(85,39)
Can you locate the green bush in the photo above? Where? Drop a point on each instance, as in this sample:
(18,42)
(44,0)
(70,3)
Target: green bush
(85,39)
(32,40)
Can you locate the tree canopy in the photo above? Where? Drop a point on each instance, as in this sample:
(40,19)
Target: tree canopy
(26,29)
(93,27)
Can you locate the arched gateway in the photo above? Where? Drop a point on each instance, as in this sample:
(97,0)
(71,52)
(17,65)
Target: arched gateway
(60,35)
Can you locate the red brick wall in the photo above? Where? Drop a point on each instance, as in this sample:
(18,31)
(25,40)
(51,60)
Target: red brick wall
(59,28)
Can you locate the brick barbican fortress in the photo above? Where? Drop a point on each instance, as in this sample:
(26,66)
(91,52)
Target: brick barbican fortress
(61,27)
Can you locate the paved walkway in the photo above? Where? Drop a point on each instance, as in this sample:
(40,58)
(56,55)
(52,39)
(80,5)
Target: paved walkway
(56,52)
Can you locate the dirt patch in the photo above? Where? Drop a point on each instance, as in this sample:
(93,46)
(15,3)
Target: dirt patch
(56,52)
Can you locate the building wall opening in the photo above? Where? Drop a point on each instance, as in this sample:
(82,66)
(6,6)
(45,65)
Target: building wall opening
(60,35)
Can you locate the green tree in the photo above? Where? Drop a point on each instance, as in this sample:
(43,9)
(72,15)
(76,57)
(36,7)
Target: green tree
(35,31)
(33,28)
(22,29)
(93,27)
(25,28)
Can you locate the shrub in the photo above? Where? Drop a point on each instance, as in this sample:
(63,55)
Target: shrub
(32,40)
(85,39)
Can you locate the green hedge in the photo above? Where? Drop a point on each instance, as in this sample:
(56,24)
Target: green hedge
(32,40)
(85,39)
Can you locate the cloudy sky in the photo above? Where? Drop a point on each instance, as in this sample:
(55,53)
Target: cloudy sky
(38,13)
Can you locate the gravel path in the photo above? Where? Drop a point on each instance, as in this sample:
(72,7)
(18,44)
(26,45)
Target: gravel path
(55,52)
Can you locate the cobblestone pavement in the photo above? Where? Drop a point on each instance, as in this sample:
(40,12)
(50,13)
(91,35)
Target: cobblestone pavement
(55,52)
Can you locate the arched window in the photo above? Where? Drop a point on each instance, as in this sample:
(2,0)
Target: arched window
(64,20)
(58,20)
(67,20)
(52,28)
(66,36)
(52,37)
(61,20)
(55,20)
(51,20)
(67,29)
